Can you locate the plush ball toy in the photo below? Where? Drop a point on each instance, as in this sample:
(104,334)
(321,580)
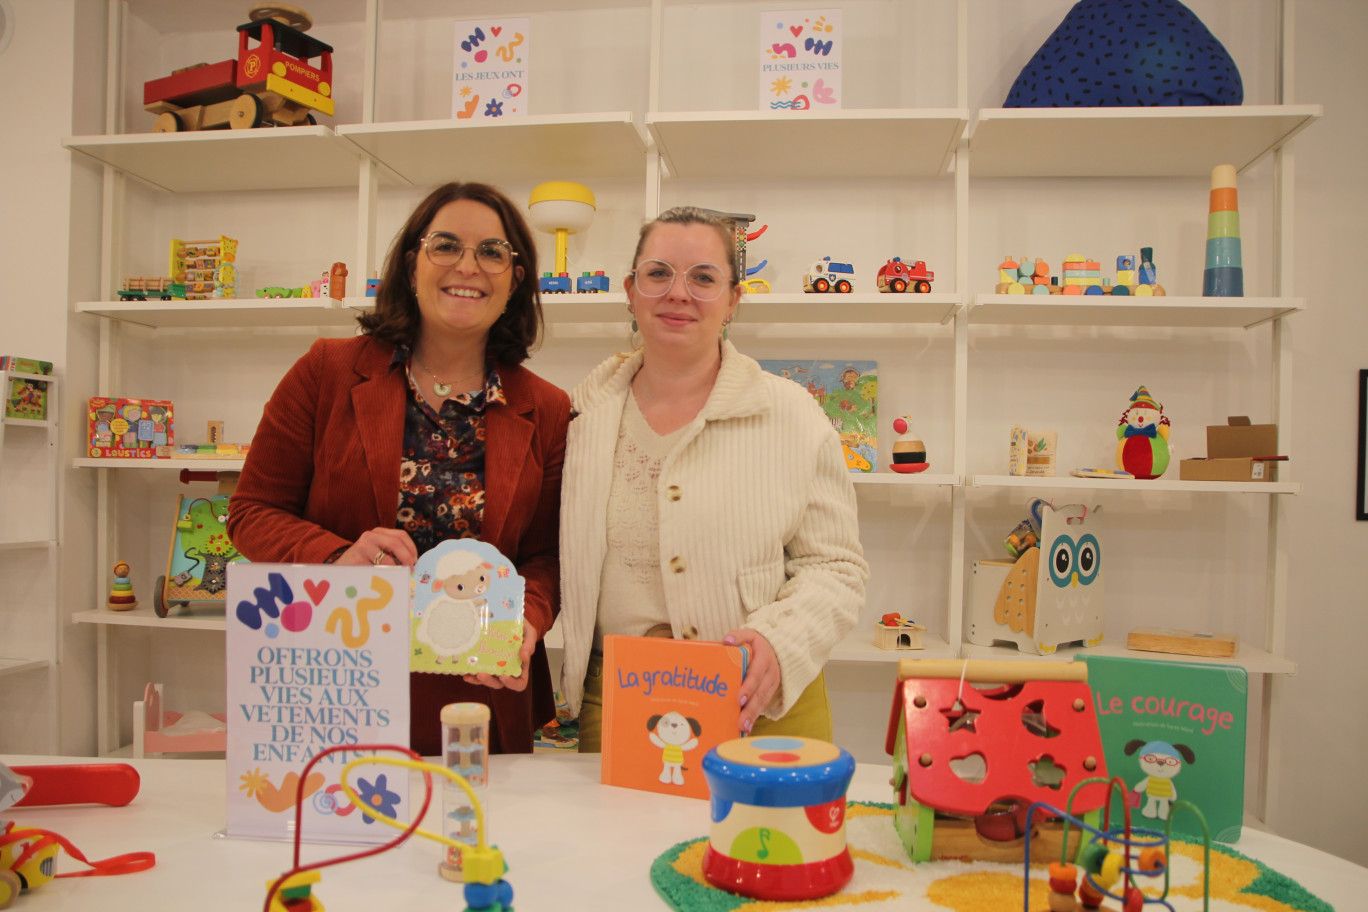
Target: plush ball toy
(1128,53)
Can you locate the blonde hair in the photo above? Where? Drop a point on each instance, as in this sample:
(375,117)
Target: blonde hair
(692,215)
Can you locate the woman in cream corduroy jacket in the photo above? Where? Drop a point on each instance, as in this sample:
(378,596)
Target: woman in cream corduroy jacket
(757,518)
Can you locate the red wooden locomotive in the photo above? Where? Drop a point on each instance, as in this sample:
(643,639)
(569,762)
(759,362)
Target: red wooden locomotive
(271,81)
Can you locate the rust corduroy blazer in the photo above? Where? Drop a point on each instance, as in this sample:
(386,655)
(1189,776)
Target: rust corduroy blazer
(324,467)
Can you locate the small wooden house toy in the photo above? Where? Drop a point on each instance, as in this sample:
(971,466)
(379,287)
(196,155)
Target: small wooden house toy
(896,632)
(975,743)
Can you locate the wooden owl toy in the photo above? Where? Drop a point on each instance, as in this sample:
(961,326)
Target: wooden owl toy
(1142,437)
(909,453)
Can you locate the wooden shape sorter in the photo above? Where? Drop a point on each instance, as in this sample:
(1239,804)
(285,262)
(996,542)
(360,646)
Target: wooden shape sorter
(974,744)
(1051,596)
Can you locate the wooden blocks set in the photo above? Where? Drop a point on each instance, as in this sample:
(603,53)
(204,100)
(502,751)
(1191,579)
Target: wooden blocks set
(1080,276)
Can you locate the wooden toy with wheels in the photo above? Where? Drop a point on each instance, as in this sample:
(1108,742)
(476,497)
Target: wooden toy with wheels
(197,565)
(976,743)
(270,82)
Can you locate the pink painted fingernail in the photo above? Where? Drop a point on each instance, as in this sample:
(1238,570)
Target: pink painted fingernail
(744,698)
(747,726)
(729,640)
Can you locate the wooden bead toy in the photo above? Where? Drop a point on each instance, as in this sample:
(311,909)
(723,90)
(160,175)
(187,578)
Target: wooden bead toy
(1152,859)
(778,818)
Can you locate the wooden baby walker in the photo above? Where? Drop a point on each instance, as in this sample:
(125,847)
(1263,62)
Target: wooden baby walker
(197,562)
(970,761)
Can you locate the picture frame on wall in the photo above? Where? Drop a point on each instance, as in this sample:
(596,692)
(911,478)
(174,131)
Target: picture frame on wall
(1361,504)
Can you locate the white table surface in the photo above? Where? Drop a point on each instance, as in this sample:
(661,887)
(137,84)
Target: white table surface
(570,844)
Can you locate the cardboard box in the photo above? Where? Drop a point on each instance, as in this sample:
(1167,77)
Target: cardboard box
(132,428)
(1237,451)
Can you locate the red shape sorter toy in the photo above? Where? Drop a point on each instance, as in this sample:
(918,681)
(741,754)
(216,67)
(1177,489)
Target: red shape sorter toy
(131,428)
(968,761)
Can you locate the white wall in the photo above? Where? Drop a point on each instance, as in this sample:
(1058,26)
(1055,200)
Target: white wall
(1318,799)
(1322,797)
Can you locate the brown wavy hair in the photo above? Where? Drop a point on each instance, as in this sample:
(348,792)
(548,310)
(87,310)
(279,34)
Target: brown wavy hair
(396,318)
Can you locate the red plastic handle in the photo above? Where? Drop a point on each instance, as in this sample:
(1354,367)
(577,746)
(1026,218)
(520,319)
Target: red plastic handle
(114,784)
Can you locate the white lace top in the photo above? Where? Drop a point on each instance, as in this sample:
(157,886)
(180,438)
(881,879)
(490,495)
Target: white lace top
(631,595)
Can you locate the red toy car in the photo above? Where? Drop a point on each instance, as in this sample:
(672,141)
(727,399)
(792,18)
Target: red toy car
(898,276)
(270,82)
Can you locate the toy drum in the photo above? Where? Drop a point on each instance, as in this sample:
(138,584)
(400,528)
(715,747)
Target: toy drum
(778,818)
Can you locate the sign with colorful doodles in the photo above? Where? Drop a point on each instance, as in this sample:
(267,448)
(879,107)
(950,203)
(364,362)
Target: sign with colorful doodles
(800,60)
(317,657)
(467,615)
(490,76)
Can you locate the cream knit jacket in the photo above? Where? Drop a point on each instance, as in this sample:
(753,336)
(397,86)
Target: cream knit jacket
(758,524)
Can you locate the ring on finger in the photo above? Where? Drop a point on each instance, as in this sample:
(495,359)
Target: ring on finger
(379,557)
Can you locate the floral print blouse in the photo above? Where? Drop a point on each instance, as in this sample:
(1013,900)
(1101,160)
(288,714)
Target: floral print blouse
(442,463)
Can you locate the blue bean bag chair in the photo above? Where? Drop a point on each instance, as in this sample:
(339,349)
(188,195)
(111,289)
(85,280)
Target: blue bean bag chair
(1128,53)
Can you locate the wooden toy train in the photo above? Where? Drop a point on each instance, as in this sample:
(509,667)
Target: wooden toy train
(270,83)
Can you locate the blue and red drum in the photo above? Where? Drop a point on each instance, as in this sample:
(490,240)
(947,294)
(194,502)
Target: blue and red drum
(778,818)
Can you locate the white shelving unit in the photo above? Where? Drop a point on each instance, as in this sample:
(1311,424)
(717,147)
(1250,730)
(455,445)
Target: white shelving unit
(30,517)
(944,151)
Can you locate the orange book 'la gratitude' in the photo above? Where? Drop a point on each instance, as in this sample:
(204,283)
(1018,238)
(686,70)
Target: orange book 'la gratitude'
(666,703)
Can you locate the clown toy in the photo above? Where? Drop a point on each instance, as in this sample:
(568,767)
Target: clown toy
(1142,437)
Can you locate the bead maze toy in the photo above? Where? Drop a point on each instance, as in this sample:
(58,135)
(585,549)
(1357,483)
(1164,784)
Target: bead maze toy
(1112,854)
(778,818)
(1080,276)
(969,761)
(898,275)
(482,864)
(826,275)
(270,83)
(1051,596)
(562,208)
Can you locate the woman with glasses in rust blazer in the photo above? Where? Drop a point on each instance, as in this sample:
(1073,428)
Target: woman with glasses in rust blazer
(426,427)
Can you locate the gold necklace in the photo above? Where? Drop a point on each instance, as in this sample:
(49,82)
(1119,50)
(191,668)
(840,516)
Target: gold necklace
(444,389)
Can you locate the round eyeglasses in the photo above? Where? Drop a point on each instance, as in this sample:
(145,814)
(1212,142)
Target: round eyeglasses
(492,255)
(655,277)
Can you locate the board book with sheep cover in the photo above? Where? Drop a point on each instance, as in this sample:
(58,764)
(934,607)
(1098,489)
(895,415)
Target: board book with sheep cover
(467,611)
(666,703)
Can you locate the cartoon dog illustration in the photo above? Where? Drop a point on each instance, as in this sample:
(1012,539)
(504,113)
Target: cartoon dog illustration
(674,734)
(1161,762)
(452,623)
